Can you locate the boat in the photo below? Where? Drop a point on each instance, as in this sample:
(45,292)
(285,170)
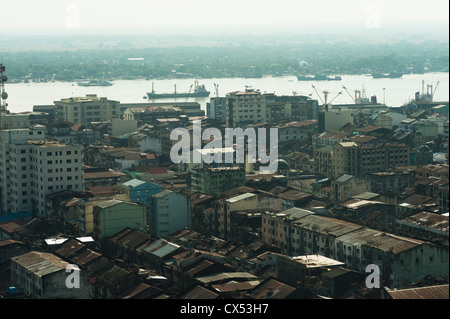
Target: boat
(318,78)
(334,78)
(392,75)
(94,83)
(199,91)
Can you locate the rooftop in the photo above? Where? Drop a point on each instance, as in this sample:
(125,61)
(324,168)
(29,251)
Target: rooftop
(430,292)
(240,197)
(314,261)
(41,263)
(382,241)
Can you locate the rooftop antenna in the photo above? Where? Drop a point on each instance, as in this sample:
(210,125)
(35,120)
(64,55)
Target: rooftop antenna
(4,96)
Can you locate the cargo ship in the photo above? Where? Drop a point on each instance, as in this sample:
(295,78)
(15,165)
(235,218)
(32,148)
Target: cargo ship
(94,83)
(392,75)
(199,91)
(318,78)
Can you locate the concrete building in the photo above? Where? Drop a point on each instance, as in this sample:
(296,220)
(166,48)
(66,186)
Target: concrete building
(241,203)
(356,159)
(296,131)
(32,168)
(216,108)
(170,212)
(120,127)
(346,186)
(43,276)
(84,110)
(112,216)
(334,119)
(245,107)
(323,160)
(401,260)
(215,181)
(328,138)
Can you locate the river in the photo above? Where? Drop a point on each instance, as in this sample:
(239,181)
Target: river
(393,92)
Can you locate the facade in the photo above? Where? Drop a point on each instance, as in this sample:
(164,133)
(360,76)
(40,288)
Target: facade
(170,212)
(346,186)
(401,260)
(246,202)
(214,181)
(323,160)
(335,119)
(32,168)
(216,108)
(84,110)
(355,159)
(245,107)
(43,276)
(392,180)
(296,131)
(112,216)
(328,138)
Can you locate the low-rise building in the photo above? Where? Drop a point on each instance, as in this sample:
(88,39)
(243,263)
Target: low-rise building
(43,276)
(114,215)
(170,212)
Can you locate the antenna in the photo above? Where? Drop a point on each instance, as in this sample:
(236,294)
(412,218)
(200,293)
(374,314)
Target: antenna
(4,96)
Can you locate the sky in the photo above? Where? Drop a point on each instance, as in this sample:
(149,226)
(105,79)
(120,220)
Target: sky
(147,16)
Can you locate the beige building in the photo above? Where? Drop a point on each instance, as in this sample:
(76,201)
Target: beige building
(84,110)
(355,159)
(245,107)
(336,119)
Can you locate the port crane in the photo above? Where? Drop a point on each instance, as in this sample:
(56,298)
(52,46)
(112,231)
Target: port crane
(325,93)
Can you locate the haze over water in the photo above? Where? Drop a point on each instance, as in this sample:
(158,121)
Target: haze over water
(22,96)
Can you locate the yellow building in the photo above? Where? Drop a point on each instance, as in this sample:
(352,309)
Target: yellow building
(83,110)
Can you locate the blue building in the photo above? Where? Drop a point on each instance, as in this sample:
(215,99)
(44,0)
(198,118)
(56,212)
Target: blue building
(140,192)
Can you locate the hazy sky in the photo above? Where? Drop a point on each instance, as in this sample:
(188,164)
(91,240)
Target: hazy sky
(151,15)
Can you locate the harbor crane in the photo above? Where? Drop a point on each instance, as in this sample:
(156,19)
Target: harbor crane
(325,93)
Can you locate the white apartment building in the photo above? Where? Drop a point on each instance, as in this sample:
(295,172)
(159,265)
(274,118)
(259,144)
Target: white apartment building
(248,107)
(32,168)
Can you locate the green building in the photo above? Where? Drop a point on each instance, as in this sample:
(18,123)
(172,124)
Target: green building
(112,216)
(215,181)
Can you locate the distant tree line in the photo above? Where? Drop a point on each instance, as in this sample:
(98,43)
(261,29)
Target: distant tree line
(227,61)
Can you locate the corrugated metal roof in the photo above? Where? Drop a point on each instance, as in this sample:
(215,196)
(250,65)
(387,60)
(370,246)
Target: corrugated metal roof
(380,240)
(224,276)
(240,197)
(236,286)
(430,292)
(199,292)
(314,261)
(41,263)
(271,289)
(133,183)
(161,248)
(326,225)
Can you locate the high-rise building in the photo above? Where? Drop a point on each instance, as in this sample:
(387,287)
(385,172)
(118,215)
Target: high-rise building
(245,107)
(83,110)
(32,167)
(358,159)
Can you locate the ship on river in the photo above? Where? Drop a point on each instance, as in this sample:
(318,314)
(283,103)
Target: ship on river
(318,77)
(199,91)
(94,82)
